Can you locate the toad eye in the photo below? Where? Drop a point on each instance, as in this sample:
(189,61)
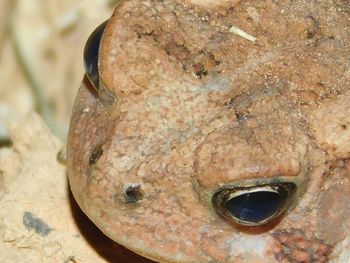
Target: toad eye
(91,52)
(253,206)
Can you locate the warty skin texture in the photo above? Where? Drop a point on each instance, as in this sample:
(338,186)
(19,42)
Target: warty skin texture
(197,108)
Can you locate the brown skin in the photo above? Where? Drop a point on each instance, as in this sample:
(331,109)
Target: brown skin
(197,108)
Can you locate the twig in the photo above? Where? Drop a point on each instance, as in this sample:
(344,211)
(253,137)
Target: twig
(241,33)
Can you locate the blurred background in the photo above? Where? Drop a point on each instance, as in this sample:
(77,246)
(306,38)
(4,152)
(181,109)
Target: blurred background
(41,61)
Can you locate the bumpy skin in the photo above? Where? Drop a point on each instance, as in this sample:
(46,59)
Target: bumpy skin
(197,107)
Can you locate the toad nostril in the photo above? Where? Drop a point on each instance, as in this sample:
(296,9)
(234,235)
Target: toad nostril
(133,193)
(95,155)
(255,205)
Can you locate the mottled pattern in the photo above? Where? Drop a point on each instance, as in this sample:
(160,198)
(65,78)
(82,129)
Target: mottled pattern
(295,247)
(197,107)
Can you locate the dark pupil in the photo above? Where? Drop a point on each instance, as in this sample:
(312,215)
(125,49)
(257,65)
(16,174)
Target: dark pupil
(254,207)
(91,49)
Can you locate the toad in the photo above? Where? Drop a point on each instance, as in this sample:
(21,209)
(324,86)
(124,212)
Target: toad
(217,131)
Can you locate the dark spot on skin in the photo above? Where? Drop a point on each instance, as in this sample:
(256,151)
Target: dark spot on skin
(295,247)
(200,70)
(31,222)
(142,32)
(249,19)
(137,92)
(231,104)
(311,32)
(240,116)
(167,52)
(230,11)
(344,127)
(153,36)
(95,155)
(212,57)
(133,194)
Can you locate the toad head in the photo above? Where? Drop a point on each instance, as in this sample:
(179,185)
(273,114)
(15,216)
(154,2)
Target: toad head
(216,131)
